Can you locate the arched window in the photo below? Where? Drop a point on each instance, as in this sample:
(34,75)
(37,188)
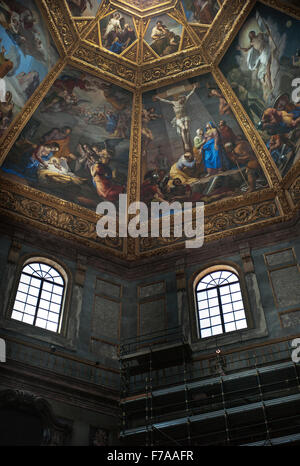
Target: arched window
(219,301)
(40,296)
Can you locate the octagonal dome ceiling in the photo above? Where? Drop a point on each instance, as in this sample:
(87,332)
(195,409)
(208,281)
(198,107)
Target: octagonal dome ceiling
(106,97)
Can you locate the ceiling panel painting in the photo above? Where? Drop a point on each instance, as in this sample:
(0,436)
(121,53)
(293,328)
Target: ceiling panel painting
(171,100)
(193,147)
(117,32)
(27,55)
(76,145)
(261,65)
(83,7)
(163,35)
(201,11)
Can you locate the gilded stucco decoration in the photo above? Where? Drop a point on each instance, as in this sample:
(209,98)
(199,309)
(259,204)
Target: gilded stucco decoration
(87,78)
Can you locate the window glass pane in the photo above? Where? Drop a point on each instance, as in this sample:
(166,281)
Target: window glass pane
(224,290)
(24,278)
(232,278)
(17,315)
(201,286)
(230,327)
(239,315)
(42,314)
(227,308)
(236,296)
(59,281)
(226,274)
(53,317)
(217,330)
(226,299)
(238,305)
(59,290)
(214,311)
(23,288)
(44,304)
(216,320)
(56,299)
(204,323)
(34,291)
(202,305)
(241,324)
(54,307)
(203,314)
(235,287)
(47,286)
(202,295)
(40,323)
(46,295)
(213,302)
(35,282)
(21,297)
(206,333)
(28,269)
(228,317)
(45,268)
(51,326)
(18,306)
(212,293)
(28,319)
(216,275)
(30,309)
(32,300)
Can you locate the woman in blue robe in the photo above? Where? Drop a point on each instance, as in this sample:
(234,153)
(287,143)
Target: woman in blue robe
(212,150)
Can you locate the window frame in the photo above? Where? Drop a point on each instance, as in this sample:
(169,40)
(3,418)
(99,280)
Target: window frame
(64,311)
(220,304)
(227,338)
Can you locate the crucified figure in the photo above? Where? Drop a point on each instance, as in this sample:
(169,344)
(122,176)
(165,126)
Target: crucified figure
(181,121)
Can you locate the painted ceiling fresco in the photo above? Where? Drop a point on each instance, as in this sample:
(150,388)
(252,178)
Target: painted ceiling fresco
(261,65)
(201,11)
(27,55)
(117,32)
(193,145)
(83,7)
(185,100)
(76,145)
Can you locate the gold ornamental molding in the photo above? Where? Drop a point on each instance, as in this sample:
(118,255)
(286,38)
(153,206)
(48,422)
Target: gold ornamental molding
(63,25)
(281,5)
(48,213)
(220,226)
(139,69)
(144,8)
(115,69)
(294,192)
(134,171)
(225,27)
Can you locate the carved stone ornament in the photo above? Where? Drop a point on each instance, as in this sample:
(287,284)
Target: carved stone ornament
(55,432)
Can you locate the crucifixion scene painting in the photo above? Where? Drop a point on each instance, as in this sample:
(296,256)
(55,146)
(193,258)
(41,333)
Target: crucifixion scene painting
(261,66)
(193,147)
